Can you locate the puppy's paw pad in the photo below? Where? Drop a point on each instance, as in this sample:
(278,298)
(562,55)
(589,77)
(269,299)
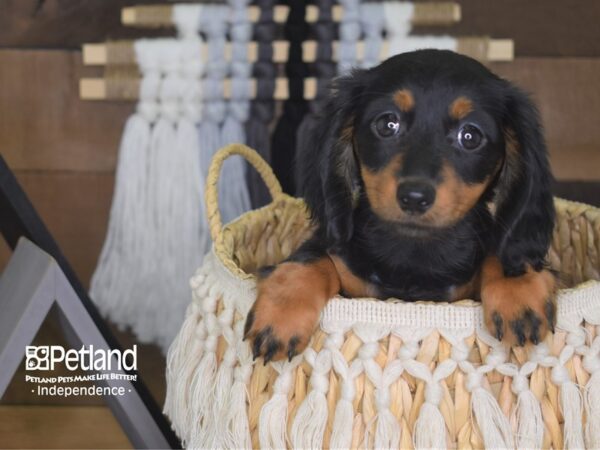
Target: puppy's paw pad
(519,319)
(276,331)
(284,316)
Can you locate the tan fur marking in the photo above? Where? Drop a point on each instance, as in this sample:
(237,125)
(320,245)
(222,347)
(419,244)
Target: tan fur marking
(511,297)
(510,167)
(404,100)
(469,290)
(460,107)
(454,198)
(290,301)
(381,188)
(350,283)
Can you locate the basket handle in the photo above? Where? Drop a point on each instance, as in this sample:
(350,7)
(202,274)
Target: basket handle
(212,181)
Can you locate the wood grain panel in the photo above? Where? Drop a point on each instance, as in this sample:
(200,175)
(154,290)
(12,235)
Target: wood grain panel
(75,208)
(567,92)
(60,427)
(44,125)
(538,27)
(64,23)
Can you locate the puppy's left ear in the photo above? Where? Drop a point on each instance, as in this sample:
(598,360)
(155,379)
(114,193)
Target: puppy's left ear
(327,169)
(525,207)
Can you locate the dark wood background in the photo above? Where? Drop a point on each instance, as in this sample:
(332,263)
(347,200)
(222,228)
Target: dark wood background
(64,150)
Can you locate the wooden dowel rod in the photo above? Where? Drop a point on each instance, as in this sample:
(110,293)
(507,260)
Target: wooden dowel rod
(155,16)
(127,89)
(121,52)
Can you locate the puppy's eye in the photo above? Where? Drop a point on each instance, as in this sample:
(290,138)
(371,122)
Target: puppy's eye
(386,125)
(470,137)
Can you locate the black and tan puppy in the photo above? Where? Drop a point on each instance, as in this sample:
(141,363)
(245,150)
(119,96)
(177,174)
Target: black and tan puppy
(427,178)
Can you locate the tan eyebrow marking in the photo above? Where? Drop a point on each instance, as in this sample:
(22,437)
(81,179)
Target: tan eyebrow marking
(460,107)
(404,99)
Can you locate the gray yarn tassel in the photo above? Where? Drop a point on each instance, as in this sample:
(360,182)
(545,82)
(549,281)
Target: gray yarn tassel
(373,21)
(233,189)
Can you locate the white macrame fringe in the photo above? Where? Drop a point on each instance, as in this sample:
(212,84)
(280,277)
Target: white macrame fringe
(202,398)
(530,423)
(493,424)
(236,421)
(272,428)
(182,356)
(216,401)
(592,411)
(272,423)
(309,424)
(310,421)
(214,425)
(341,432)
(387,430)
(430,428)
(571,403)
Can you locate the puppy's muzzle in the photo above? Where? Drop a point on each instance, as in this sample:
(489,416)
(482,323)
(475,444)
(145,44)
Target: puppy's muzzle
(415,197)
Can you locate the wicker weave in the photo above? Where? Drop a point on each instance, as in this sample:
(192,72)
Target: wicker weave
(381,374)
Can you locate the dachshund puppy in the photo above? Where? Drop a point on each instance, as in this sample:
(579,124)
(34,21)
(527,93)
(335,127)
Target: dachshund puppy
(427,179)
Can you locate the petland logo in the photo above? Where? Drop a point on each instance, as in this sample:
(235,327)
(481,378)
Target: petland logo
(46,357)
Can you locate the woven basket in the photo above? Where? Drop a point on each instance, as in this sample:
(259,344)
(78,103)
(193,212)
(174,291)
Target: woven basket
(381,374)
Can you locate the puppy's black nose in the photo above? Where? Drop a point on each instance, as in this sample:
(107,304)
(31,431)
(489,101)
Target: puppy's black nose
(415,197)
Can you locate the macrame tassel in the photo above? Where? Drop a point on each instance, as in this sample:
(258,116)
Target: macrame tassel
(202,398)
(203,381)
(592,410)
(341,432)
(238,435)
(343,419)
(311,418)
(530,424)
(387,430)
(272,422)
(571,403)
(111,282)
(178,373)
(493,424)
(214,426)
(194,222)
(157,256)
(430,428)
(236,421)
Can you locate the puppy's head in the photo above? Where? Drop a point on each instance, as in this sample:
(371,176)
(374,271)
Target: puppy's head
(425,136)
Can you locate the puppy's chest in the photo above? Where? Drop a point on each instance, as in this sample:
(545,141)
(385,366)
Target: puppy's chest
(359,278)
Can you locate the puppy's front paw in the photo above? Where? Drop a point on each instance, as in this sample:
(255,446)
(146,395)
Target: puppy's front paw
(287,309)
(518,309)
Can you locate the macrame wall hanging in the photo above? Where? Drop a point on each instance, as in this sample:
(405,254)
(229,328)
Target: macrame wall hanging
(283,148)
(223,122)
(324,68)
(157,231)
(262,110)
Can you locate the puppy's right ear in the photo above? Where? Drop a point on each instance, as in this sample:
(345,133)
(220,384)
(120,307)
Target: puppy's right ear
(327,168)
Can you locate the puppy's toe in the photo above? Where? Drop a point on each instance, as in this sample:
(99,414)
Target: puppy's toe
(285,314)
(519,310)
